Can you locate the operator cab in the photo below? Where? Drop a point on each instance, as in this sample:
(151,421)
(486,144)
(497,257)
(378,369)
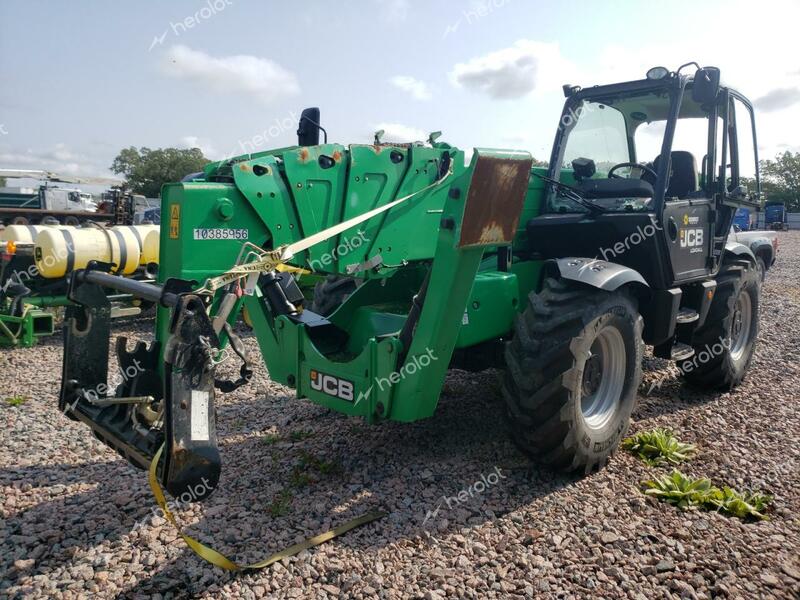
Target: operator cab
(649,174)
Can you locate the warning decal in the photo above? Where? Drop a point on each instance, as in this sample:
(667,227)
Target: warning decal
(174,221)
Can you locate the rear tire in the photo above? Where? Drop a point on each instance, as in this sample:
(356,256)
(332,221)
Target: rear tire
(573,371)
(330,293)
(725,344)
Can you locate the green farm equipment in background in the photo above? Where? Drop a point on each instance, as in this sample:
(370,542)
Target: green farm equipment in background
(22,320)
(36,261)
(27,299)
(556,275)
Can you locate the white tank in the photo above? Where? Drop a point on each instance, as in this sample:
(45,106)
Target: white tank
(150,236)
(26,234)
(60,251)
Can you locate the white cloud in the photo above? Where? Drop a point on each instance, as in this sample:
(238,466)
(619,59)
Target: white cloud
(514,72)
(396,132)
(59,159)
(419,90)
(741,68)
(778,99)
(262,78)
(206,147)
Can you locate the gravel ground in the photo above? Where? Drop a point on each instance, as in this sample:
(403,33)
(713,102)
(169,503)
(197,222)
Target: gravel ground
(75,520)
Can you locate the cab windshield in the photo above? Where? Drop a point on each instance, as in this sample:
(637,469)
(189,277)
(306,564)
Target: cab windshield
(610,148)
(601,134)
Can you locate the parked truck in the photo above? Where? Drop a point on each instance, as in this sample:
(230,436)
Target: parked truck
(48,203)
(776,217)
(743,221)
(763,245)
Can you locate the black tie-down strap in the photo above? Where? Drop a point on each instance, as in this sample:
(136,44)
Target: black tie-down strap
(245,372)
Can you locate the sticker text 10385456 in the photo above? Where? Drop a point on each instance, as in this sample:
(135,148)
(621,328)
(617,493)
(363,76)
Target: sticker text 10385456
(220,233)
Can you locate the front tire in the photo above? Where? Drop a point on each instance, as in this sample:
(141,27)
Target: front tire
(331,292)
(573,371)
(725,344)
(761,268)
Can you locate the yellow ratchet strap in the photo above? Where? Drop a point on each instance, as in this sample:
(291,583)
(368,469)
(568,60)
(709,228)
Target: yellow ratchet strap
(290,269)
(223,562)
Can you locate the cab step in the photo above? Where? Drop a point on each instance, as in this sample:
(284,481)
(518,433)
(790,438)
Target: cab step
(687,315)
(681,351)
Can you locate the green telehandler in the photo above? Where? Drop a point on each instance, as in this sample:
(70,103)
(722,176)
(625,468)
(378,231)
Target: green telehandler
(558,275)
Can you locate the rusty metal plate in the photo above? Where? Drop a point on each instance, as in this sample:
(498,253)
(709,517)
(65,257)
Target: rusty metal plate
(494,203)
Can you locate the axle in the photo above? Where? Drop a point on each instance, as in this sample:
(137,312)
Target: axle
(146,291)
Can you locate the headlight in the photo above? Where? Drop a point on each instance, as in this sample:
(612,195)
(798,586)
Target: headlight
(657,73)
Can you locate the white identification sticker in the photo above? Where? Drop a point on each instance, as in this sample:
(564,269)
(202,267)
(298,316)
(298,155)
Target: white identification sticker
(199,417)
(465,319)
(220,233)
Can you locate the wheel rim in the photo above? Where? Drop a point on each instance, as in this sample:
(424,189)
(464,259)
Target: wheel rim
(740,327)
(603,378)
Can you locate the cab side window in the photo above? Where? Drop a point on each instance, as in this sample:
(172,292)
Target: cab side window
(747,162)
(724,142)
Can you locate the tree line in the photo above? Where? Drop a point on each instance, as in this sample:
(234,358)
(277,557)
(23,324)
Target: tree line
(780,179)
(146,170)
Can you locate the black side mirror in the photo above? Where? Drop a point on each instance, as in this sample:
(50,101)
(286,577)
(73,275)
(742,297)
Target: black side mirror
(706,85)
(308,128)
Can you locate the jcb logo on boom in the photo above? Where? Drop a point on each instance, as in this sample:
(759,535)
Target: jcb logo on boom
(691,238)
(333,386)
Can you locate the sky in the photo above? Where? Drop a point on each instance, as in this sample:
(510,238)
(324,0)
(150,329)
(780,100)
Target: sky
(81,80)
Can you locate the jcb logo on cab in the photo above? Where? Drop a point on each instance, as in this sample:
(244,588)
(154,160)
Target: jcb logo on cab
(691,238)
